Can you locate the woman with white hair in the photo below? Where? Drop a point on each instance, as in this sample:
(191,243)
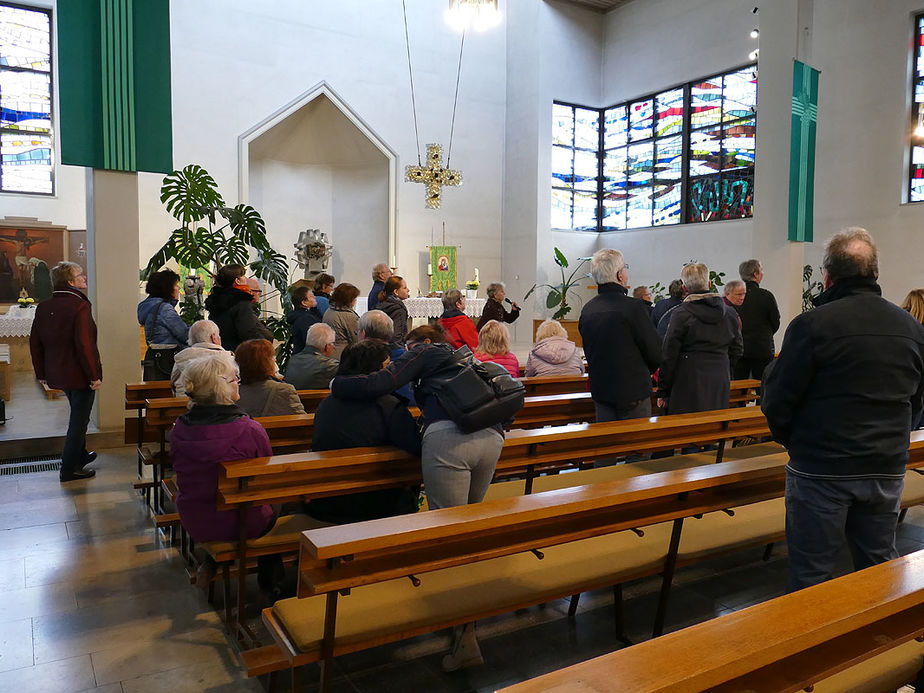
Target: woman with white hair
(702,343)
(554,353)
(494,306)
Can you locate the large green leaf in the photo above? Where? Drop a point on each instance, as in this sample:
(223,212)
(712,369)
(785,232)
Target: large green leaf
(272,267)
(159,259)
(247,224)
(194,248)
(560,258)
(189,194)
(553,299)
(561,312)
(232,251)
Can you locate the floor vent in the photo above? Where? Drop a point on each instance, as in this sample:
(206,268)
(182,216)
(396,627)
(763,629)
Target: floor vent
(30,465)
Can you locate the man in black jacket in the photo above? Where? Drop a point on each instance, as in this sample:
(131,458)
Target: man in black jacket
(620,342)
(229,306)
(841,397)
(760,319)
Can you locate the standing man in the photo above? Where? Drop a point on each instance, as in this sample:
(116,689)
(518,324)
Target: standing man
(620,342)
(643,293)
(663,308)
(841,397)
(760,319)
(65,357)
(380,274)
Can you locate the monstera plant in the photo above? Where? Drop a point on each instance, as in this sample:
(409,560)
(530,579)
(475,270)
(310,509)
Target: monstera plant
(558,293)
(211,234)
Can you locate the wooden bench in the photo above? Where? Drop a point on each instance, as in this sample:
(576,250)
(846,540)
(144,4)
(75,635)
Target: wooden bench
(856,633)
(382,552)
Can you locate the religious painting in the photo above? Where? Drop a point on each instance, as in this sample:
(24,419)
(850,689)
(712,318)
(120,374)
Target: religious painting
(27,254)
(77,247)
(443,268)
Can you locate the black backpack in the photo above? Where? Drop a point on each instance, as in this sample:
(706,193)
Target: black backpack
(476,394)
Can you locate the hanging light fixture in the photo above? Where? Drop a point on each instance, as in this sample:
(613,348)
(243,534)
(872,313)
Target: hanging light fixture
(473,14)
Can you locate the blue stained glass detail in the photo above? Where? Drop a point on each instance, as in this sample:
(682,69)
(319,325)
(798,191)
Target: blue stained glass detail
(641,164)
(706,102)
(585,170)
(640,205)
(737,193)
(585,211)
(562,167)
(641,119)
(705,152)
(24,39)
(668,164)
(615,166)
(738,145)
(666,210)
(669,112)
(614,213)
(25,162)
(739,95)
(704,198)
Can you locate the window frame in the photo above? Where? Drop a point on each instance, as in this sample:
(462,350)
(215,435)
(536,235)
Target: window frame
(51,101)
(685,133)
(916,109)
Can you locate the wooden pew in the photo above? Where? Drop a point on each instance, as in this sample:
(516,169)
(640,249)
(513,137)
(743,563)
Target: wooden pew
(794,642)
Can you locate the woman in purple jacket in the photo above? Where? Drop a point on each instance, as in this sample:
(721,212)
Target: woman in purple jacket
(216,430)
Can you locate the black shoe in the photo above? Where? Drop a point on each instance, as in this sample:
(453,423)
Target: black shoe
(79,474)
(91,458)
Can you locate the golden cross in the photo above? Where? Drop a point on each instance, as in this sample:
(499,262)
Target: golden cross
(433,175)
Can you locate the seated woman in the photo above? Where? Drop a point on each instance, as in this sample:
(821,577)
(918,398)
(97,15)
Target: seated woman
(702,343)
(353,423)
(458,327)
(494,345)
(323,286)
(554,353)
(216,430)
(341,316)
(261,394)
(391,302)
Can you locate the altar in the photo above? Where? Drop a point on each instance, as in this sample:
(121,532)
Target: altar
(15,328)
(424,307)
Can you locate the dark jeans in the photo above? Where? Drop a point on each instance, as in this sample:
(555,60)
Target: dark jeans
(822,513)
(640,409)
(750,367)
(75,444)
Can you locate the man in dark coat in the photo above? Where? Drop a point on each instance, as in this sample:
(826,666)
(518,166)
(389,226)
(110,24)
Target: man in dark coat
(494,306)
(229,306)
(304,315)
(620,342)
(660,314)
(65,357)
(312,368)
(760,319)
(380,274)
(841,397)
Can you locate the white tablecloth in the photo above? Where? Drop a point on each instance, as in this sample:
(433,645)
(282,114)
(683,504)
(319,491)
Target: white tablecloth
(423,307)
(17,322)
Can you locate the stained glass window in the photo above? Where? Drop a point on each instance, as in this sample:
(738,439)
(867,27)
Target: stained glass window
(575,167)
(678,156)
(916,174)
(26,149)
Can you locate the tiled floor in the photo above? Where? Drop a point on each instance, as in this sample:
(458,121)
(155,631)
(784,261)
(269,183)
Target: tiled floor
(30,413)
(90,600)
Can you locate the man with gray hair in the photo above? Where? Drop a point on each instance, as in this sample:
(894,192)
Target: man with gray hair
(842,397)
(313,368)
(380,274)
(620,342)
(760,320)
(375,324)
(204,339)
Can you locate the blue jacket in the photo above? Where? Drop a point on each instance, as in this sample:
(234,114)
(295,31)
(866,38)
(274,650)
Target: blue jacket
(169,329)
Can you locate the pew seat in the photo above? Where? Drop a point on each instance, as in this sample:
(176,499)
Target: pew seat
(282,538)
(885,672)
(464,593)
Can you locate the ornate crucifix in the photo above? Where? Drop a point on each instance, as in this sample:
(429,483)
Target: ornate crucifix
(433,175)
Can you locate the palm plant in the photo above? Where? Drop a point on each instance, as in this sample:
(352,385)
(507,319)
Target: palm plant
(558,293)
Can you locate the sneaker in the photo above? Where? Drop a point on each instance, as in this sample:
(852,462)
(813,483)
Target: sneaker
(465,651)
(79,474)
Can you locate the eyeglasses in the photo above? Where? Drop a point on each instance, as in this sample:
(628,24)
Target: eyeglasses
(232,378)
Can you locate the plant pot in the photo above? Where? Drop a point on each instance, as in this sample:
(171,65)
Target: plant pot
(471,293)
(571,327)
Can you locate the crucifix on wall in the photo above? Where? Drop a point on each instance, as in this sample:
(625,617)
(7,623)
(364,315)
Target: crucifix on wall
(433,175)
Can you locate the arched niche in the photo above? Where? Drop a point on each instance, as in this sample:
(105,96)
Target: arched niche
(315,163)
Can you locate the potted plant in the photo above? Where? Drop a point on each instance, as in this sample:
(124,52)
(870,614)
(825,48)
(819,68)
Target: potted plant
(557,297)
(212,234)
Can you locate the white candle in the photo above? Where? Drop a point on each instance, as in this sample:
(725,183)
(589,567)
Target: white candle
(476,274)
(394,261)
(429,270)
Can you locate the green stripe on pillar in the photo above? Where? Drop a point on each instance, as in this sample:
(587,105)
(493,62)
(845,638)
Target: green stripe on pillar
(802,152)
(114,83)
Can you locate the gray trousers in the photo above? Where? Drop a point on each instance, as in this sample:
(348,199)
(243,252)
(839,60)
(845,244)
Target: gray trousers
(458,467)
(821,514)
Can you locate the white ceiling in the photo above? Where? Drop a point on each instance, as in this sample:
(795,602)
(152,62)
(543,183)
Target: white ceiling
(599,5)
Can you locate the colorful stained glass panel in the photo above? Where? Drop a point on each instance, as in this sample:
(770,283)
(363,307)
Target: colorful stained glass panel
(705,152)
(24,39)
(585,211)
(585,170)
(704,199)
(615,165)
(739,95)
(668,163)
(737,195)
(639,208)
(640,163)
(641,119)
(561,209)
(586,129)
(666,205)
(669,113)
(616,127)
(25,162)
(562,167)
(706,102)
(562,124)
(738,145)
(614,213)
(24,101)
(917,174)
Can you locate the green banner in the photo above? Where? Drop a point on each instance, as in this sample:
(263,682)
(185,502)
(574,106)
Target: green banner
(114,84)
(442,268)
(802,151)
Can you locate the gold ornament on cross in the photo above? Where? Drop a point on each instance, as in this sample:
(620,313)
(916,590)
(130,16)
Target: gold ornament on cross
(433,175)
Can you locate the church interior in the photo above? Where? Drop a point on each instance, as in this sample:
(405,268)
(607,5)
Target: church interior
(675,131)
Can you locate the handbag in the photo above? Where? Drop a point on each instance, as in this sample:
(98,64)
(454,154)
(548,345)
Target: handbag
(477,395)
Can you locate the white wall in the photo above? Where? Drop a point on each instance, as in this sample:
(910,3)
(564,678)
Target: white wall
(359,200)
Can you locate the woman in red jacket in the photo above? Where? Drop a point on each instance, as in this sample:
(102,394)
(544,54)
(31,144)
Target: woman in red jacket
(458,326)
(494,345)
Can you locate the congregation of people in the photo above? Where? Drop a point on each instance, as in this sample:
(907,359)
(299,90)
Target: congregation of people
(842,396)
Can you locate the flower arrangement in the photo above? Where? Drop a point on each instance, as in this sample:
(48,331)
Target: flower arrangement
(25,300)
(473,284)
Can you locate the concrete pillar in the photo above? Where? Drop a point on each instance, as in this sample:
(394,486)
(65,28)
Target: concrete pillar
(785,29)
(112,259)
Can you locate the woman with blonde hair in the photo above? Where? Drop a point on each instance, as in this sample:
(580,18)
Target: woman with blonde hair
(554,353)
(914,304)
(494,345)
